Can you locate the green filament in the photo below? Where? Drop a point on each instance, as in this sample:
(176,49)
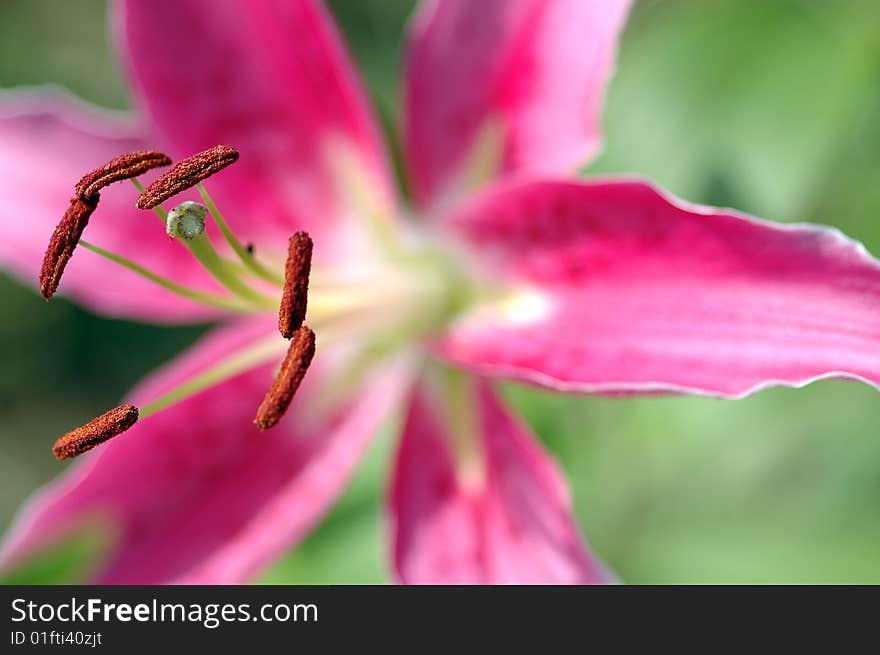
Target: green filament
(212,300)
(262,352)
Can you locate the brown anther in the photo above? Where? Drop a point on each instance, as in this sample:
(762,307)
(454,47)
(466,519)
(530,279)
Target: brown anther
(187,173)
(123,167)
(294,299)
(289,377)
(95,432)
(63,242)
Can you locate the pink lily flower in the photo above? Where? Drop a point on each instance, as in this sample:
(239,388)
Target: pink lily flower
(504,266)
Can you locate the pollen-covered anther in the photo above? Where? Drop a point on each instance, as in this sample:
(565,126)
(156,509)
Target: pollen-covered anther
(289,377)
(294,299)
(95,432)
(186,174)
(63,242)
(123,167)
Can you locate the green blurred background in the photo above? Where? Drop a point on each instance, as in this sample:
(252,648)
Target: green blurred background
(769,106)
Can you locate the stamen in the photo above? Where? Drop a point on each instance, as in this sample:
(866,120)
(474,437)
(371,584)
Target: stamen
(186,174)
(289,377)
(294,300)
(69,231)
(120,168)
(96,432)
(63,242)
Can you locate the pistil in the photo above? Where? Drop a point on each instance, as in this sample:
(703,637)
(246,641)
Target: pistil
(184,175)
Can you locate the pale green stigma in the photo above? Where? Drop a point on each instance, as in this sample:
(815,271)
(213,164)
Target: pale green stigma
(187,220)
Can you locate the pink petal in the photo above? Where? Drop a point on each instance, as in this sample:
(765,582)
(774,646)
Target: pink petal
(616,286)
(514,525)
(271,78)
(48,141)
(536,69)
(196,493)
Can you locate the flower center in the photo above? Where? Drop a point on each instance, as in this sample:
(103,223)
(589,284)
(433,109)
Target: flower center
(385,301)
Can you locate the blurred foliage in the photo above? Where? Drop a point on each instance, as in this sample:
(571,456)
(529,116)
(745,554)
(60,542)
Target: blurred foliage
(769,106)
(67,561)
